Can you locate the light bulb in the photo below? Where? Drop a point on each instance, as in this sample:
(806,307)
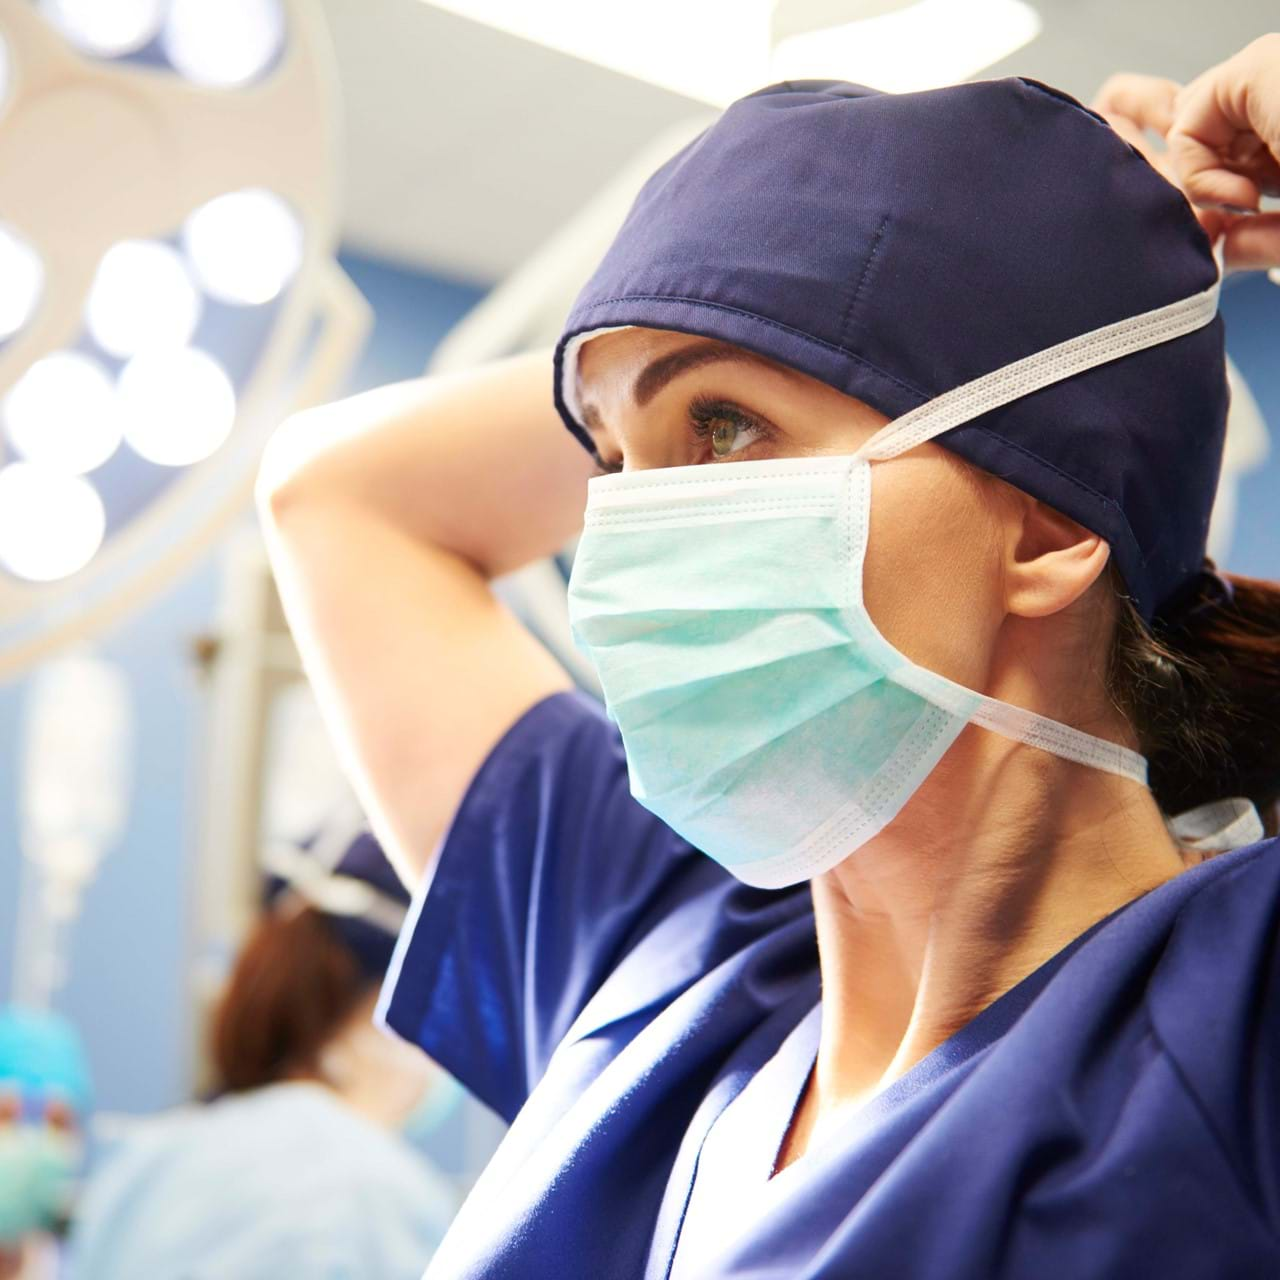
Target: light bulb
(142,297)
(107,27)
(178,406)
(51,523)
(23,276)
(244,246)
(226,43)
(63,413)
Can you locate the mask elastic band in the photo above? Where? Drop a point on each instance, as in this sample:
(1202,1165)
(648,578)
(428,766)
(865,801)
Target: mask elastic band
(1040,369)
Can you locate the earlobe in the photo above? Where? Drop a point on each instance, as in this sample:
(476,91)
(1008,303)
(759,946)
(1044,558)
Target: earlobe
(1052,561)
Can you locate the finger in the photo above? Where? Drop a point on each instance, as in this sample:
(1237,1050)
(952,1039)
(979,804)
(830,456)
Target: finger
(1148,101)
(1253,244)
(1210,119)
(1199,170)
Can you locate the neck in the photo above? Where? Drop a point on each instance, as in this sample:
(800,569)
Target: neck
(1003,857)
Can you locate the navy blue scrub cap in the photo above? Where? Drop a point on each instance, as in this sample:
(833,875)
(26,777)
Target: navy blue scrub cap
(897,246)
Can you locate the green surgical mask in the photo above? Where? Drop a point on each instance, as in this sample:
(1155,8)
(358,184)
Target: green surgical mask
(38,1167)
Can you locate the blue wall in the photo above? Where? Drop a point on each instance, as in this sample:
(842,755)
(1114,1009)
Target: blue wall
(1251,307)
(127,989)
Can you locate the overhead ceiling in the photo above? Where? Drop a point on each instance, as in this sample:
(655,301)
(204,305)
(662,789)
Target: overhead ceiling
(466,148)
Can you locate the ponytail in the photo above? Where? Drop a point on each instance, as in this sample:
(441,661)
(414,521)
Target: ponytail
(1203,696)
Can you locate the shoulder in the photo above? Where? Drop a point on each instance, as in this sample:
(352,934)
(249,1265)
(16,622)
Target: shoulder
(1214,1005)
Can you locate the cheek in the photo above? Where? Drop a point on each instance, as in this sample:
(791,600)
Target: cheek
(931,579)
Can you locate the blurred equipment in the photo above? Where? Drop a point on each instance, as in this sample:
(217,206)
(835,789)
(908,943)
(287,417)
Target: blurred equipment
(167,231)
(723,49)
(75,781)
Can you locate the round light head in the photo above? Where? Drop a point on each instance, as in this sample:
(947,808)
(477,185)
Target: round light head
(179,406)
(244,246)
(51,523)
(226,43)
(106,27)
(23,276)
(64,413)
(142,297)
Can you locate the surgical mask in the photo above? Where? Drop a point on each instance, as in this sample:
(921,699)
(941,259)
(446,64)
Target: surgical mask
(38,1167)
(765,718)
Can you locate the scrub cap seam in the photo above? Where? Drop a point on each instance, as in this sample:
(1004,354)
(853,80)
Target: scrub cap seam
(852,303)
(755,315)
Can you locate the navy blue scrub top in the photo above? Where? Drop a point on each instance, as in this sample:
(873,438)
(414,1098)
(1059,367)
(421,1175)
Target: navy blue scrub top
(645,1023)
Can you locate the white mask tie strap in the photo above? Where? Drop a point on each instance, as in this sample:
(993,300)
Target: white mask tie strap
(1042,368)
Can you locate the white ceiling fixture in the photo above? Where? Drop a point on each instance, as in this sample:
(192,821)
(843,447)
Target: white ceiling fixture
(717,50)
(908,47)
(705,49)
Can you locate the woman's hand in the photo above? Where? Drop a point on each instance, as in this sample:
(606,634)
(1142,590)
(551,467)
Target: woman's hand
(1222,135)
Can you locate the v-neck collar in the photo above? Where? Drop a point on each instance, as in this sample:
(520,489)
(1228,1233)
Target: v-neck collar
(740,1147)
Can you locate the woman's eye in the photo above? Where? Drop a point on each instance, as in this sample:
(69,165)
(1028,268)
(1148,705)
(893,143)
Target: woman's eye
(726,429)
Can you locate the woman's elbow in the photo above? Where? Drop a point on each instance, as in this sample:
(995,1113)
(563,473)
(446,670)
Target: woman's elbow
(286,470)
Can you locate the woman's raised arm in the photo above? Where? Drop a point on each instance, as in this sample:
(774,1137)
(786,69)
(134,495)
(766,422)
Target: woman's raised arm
(386,514)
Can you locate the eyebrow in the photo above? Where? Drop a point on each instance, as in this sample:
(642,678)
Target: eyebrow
(658,373)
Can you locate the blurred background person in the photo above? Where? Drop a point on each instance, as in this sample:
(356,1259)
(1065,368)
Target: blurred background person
(44,1099)
(299,1165)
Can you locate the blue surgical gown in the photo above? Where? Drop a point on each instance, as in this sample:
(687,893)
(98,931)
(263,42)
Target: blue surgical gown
(645,1023)
(283,1183)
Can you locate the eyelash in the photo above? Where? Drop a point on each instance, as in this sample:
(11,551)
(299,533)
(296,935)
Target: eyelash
(703,411)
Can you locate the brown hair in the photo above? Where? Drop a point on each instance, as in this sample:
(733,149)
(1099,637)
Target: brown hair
(1203,697)
(293,986)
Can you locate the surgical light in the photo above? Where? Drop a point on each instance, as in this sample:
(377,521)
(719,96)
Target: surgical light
(178,405)
(223,42)
(142,297)
(107,27)
(51,522)
(244,246)
(125,119)
(64,413)
(23,276)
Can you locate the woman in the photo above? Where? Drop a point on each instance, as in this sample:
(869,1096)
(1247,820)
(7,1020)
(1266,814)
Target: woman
(877,951)
(297,1168)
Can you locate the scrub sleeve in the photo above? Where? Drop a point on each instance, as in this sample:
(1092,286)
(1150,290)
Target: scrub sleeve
(551,879)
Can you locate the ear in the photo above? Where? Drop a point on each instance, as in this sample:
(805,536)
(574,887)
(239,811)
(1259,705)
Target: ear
(1050,560)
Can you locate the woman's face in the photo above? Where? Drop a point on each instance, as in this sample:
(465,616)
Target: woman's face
(939,528)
